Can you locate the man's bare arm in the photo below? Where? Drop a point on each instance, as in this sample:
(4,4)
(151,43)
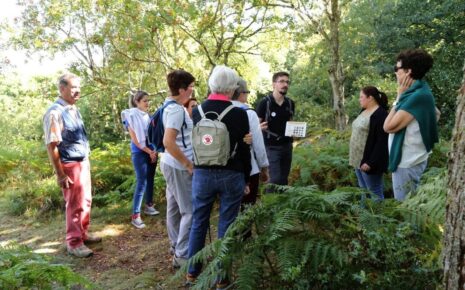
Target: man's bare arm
(63,180)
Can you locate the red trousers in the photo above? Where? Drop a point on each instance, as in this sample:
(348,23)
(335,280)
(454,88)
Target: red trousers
(78,199)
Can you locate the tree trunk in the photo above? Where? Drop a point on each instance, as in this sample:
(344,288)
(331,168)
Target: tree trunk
(336,74)
(454,232)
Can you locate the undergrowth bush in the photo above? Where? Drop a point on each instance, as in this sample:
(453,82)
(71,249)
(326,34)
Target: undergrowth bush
(113,177)
(322,160)
(112,173)
(22,269)
(35,197)
(29,183)
(306,238)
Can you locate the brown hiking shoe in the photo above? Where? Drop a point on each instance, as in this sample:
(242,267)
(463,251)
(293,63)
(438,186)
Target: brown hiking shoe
(190,280)
(92,239)
(81,252)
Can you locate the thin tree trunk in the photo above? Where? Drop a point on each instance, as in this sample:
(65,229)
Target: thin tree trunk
(454,233)
(336,73)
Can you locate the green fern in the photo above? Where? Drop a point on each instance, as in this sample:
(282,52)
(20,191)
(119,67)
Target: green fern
(305,238)
(22,269)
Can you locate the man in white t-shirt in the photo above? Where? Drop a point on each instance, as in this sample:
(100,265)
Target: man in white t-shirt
(176,164)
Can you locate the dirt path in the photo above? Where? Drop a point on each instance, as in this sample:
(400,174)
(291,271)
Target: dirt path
(128,258)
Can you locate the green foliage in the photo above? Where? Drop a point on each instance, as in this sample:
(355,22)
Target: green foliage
(124,45)
(430,198)
(30,185)
(22,109)
(370,50)
(35,197)
(27,179)
(22,269)
(323,161)
(305,238)
(113,177)
(439,156)
(111,165)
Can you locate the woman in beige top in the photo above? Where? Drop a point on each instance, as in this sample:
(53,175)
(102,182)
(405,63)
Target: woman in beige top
(369,143)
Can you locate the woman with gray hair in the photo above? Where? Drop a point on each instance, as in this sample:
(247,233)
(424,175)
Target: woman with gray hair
(229,181)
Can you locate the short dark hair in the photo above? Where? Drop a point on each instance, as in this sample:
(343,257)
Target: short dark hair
(279,74)
(418,60)
(179,79)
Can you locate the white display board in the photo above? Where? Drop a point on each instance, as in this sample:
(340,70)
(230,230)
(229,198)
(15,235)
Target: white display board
(296,129)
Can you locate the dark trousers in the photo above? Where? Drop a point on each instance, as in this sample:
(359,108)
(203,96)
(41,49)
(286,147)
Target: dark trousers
(250,199)
(280,159)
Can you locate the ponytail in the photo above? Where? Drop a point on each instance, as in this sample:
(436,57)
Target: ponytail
(380,97)
(382,101)
(135,97)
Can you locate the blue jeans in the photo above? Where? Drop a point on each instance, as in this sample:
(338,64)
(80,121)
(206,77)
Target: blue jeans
(372,182)
(206,185)
(145,174)
(280,159)
(405,180)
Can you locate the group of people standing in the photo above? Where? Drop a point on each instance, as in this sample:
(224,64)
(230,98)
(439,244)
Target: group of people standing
(400,140)
(259,150)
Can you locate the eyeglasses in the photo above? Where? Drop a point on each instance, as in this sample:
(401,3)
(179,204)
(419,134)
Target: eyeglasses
(245,92)
(284,82)
(396,68)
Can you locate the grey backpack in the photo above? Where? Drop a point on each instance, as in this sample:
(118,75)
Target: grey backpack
(210,140)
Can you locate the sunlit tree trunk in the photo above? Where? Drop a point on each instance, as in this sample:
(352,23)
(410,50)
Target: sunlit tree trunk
(454,233)
(336,73)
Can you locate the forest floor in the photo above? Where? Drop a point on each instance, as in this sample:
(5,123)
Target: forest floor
(128,258)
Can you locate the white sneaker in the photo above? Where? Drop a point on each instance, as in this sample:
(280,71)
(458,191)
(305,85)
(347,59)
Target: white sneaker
(150,210)
(138,223)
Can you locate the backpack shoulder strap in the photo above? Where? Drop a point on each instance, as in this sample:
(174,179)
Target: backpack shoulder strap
(168,103)
(291,109)
(268,111)
(225,111)
(182,129)
(202,114)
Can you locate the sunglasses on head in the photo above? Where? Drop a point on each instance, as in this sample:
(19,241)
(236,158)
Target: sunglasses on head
(396,68)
